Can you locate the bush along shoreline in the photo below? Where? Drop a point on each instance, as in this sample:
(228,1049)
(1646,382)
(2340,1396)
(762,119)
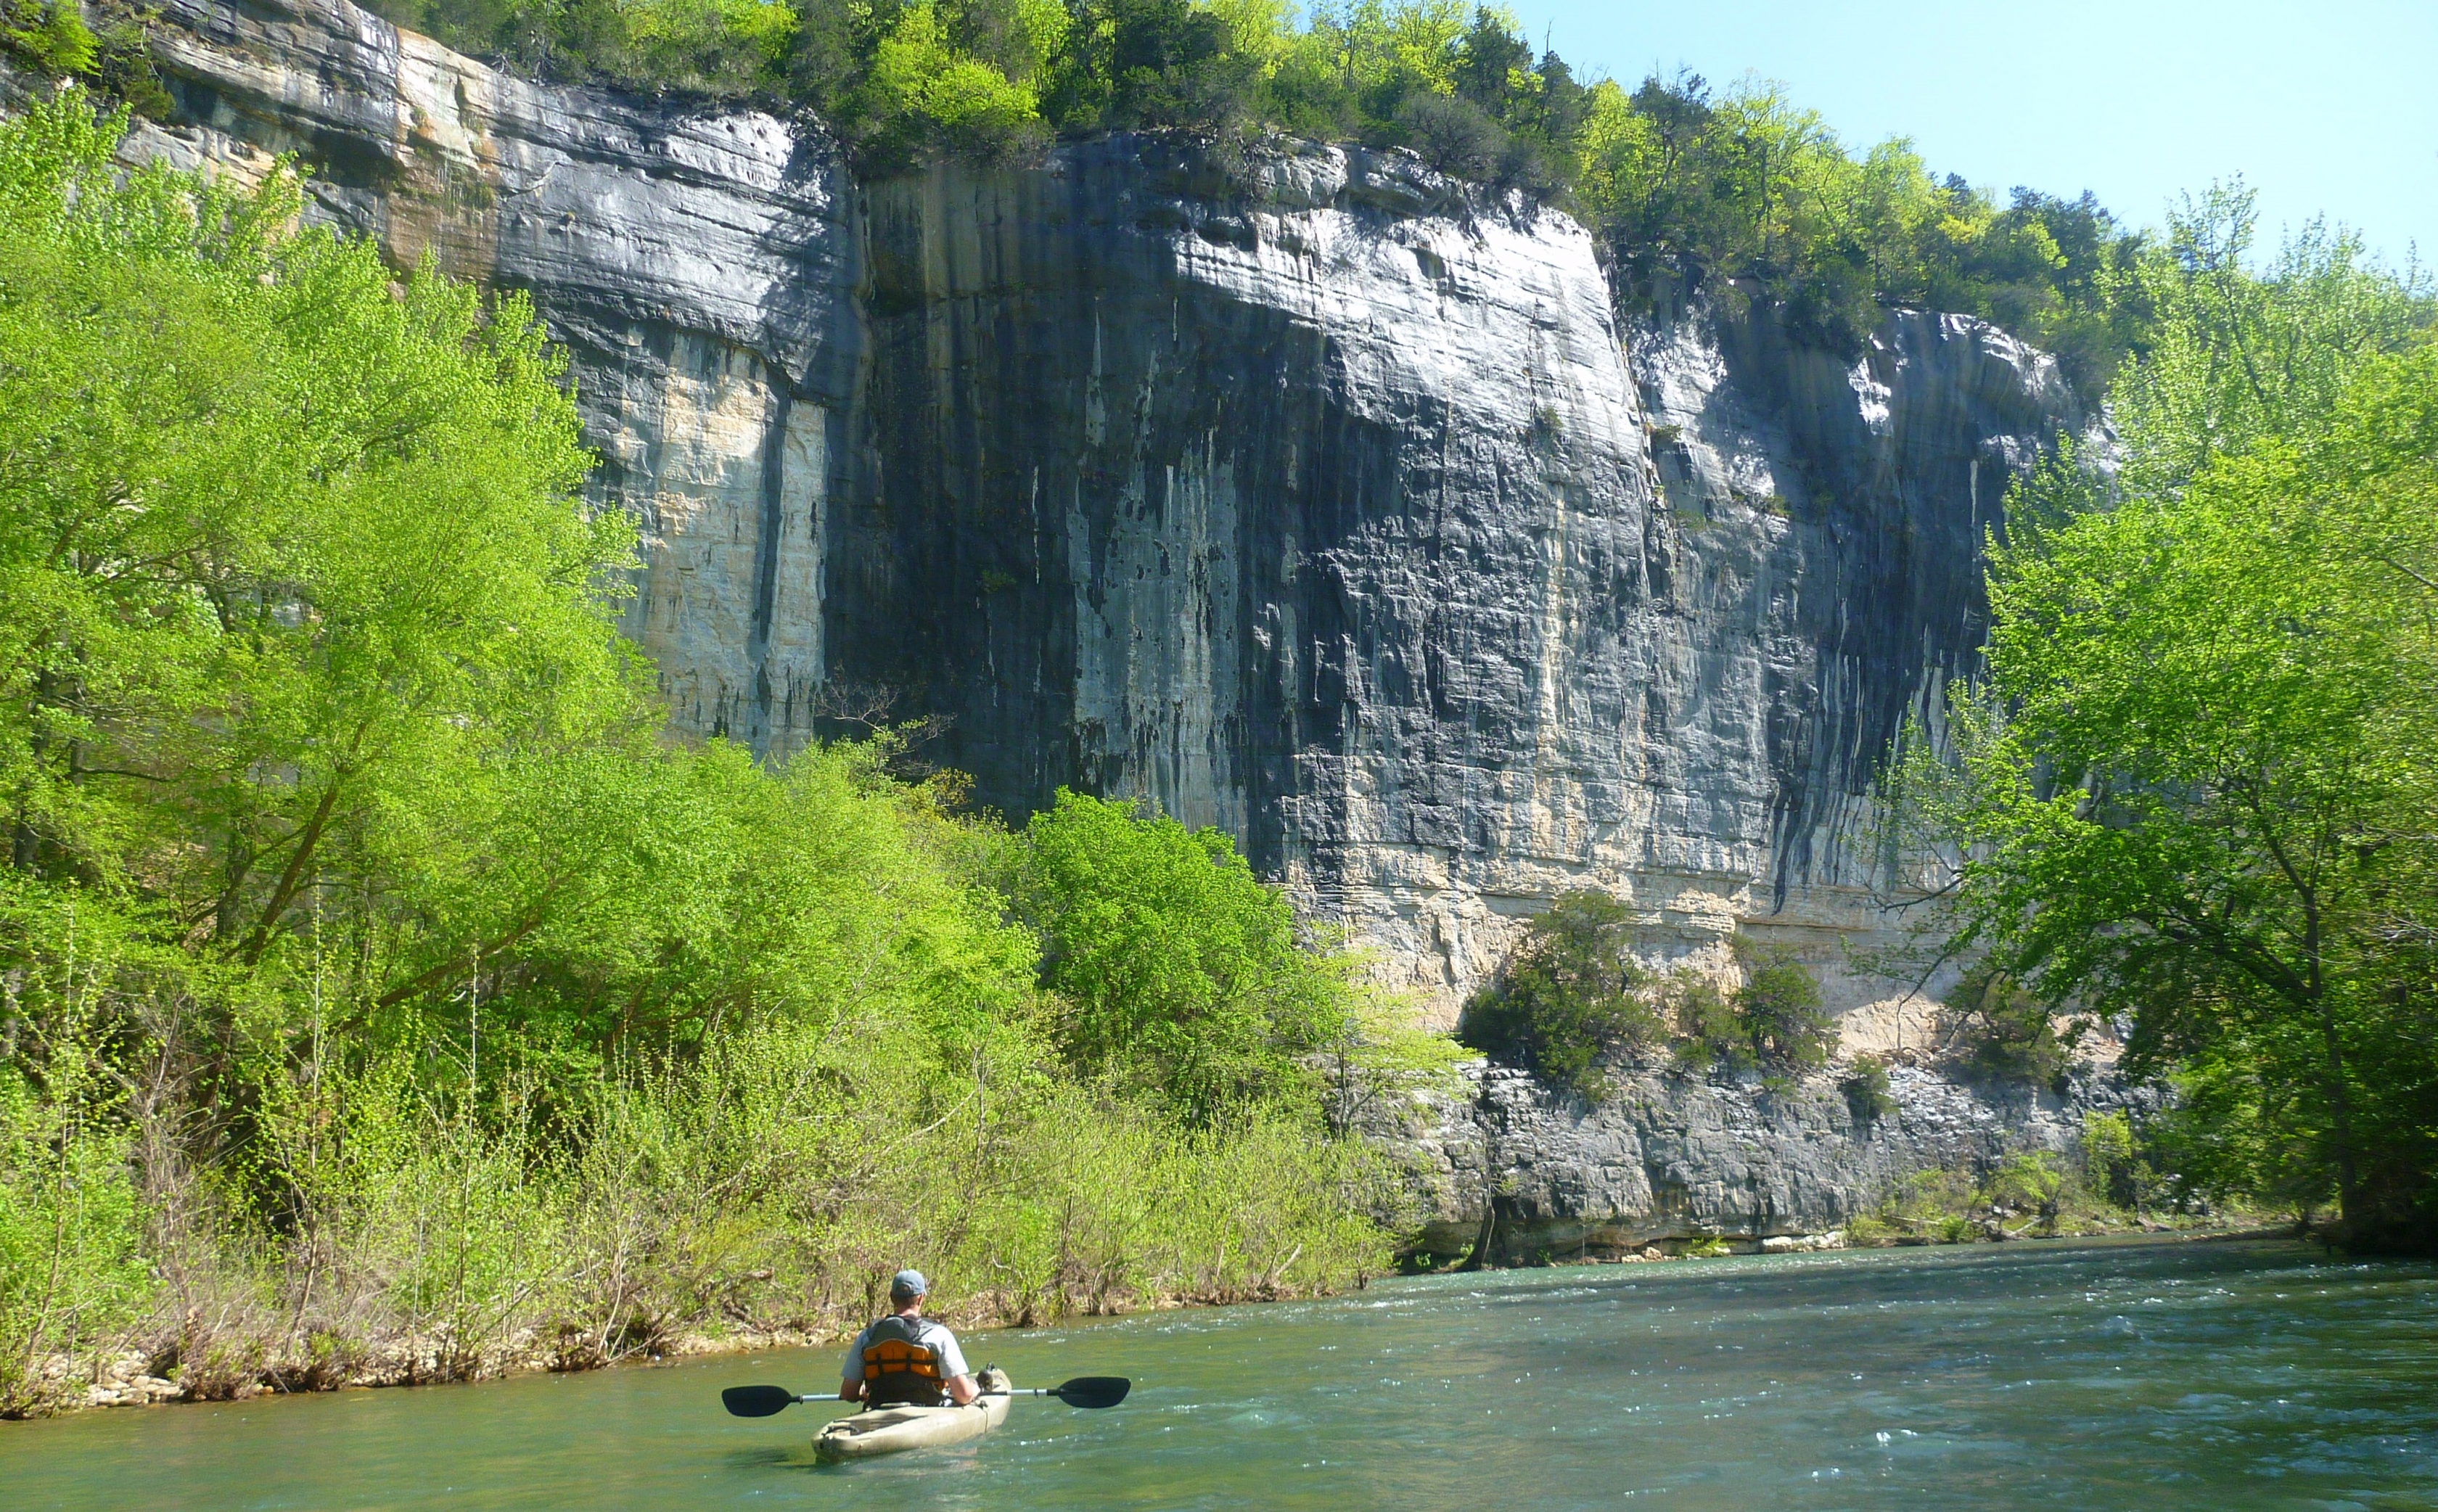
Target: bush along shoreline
(387,993)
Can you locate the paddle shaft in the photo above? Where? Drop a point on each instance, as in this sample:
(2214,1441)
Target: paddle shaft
(1084,1391)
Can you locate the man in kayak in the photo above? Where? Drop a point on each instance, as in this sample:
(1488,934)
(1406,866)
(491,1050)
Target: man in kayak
(906,1360)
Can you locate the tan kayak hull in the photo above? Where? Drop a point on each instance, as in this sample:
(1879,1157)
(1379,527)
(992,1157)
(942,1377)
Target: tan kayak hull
(895,1430)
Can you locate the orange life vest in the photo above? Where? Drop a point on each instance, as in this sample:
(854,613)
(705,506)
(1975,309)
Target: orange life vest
(899,1370)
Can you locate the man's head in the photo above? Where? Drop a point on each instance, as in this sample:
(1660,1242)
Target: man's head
(906,1289)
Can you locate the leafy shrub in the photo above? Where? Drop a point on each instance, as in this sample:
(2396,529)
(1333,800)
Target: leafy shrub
(1177,973)
(1744,190)
(1868,1095)
(1773,1022)
(1452,135)
(2027,1180)
(1379,1051)
(1570,996)
(1779,1003)
(2115,1166)
(71,1274)
(1710,1033)
(2028,1191)
(2001,1033)
(50,34)
(1953,1228)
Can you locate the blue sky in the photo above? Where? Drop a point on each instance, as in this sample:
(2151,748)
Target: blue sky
(2328,107)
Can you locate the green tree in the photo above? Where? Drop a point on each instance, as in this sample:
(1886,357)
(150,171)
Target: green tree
(70,1223)
(2235,356)
(1870,1095)
(2006,1034)
(51,34)
(1177,973)
(281,551)
(2194,789)
(1775,1021)
(384,983)
(1780,1005)
(1570,997)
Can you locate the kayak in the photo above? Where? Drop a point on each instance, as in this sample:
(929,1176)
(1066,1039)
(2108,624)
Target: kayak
(894,1429)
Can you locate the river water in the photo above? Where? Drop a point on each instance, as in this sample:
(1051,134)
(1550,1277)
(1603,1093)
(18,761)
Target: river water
(2133,1375)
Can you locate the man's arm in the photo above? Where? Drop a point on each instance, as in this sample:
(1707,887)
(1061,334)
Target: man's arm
(962,1387)
(851,1371)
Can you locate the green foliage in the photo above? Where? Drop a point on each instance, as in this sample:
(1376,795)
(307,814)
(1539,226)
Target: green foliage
(1177,972)
(2117,1162)
(283,554)
(716,48)
(388,991)
(2236,356)
(1711,1035)
(2027,1180)
(70,1272)
(2026,1193)
(1573,999)
(1737,192)
(1780,1006)
(2196,789)
(1773,1022)
(1869,1096)
(1378,1053)
(2032,1193)
(50,34)
(1748,195)
(1570,997)
(2001,1033)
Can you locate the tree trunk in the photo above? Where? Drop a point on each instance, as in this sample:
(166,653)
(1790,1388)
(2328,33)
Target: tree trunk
(2340,1119)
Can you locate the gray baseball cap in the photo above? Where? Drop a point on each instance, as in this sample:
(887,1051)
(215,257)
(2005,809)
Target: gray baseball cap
(909,1284)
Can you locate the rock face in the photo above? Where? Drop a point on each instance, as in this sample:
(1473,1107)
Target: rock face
(703,271)
(1670,1157)
(1329,502)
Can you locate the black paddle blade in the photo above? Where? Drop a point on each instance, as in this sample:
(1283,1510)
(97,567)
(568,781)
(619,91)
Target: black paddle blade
(1093,1390)
(756,1402)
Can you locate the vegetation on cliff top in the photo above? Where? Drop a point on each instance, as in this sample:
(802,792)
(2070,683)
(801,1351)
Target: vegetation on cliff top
(386,990)
(1738,191)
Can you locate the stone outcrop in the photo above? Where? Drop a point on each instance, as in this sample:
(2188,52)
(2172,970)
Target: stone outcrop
(1321,499)
(1670,1157)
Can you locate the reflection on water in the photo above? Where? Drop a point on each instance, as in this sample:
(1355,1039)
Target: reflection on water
(2151,1375)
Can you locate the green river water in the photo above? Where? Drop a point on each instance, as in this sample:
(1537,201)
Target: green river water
(2147,1376)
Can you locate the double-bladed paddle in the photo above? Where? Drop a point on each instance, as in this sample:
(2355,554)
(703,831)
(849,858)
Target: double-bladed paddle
(1084,1391)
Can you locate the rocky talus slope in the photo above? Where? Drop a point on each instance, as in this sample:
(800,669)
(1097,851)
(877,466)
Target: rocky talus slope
(1326,500)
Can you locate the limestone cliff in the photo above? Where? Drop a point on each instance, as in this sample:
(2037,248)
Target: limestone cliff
(1327,501)
(1539,1174)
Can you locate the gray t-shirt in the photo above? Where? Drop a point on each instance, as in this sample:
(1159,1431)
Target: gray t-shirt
(930,1335)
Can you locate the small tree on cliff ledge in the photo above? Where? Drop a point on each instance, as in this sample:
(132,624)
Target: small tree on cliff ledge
(1571,996)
